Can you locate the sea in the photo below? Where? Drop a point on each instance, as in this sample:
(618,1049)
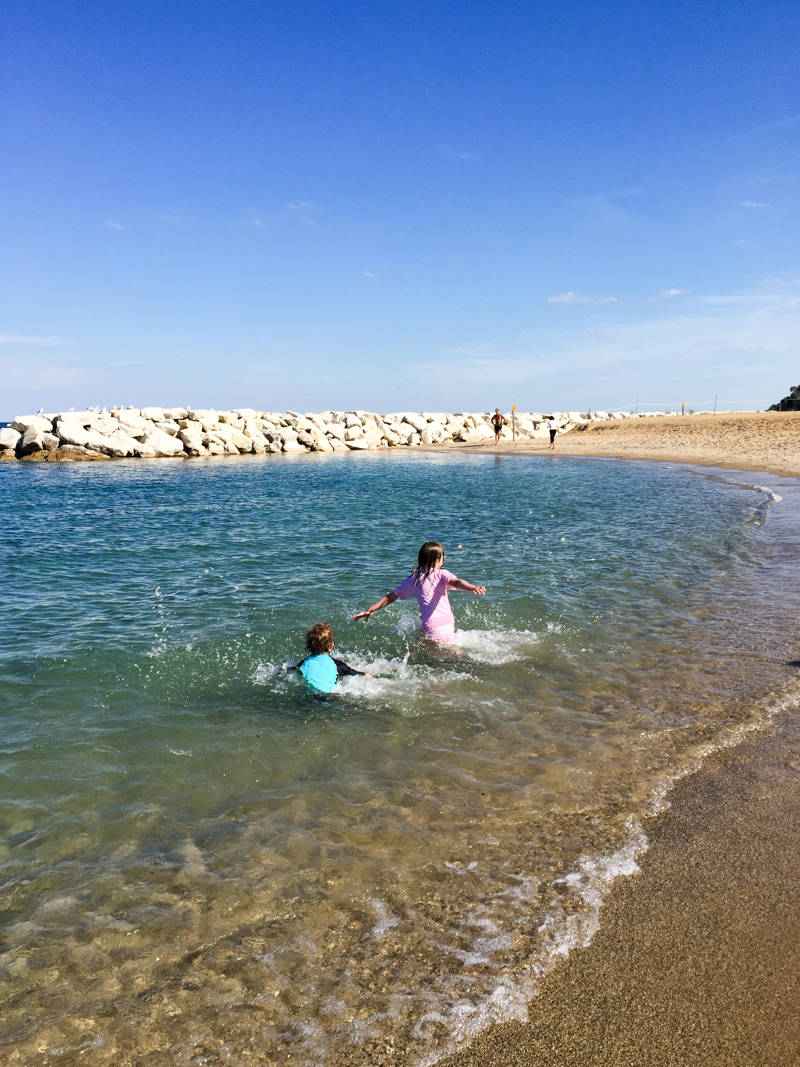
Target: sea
(204,862)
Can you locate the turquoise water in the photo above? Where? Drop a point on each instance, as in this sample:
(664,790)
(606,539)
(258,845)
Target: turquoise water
(204,862)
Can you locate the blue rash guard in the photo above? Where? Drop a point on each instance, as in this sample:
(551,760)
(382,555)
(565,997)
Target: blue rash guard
(322,672)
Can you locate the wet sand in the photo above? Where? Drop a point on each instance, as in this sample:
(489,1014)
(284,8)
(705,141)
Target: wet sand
(697,959)
(764,441)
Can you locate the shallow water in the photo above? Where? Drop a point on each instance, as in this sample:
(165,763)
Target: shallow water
(203,862)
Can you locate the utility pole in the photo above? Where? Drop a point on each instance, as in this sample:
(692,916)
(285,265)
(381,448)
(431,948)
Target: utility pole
(683,407)
(513,422)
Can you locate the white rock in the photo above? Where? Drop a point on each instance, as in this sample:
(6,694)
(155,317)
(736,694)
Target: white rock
(193,440)
(23,423)
(162,443)
(357,443)
(338,445)
(168,426)
(153,414)
(417,421)
(175,413)
(372,435)
(433,434)
(132,422)
(32,441)
(293,446)
(336,429)
(124,443)
(72,433)
(354,433)
(9,438)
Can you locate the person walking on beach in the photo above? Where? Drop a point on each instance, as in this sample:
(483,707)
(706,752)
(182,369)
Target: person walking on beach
(498,421)
(428,583)
(552,426)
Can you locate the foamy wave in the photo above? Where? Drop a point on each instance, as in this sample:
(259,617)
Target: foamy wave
(589,882)
(496,646)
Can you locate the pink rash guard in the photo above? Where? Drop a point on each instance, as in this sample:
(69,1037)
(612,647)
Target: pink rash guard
(434,607)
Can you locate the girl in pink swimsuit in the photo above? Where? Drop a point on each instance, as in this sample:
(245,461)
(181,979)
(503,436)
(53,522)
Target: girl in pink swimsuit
(429,583)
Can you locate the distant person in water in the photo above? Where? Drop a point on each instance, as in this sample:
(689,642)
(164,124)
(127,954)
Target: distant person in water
(552,426)
(498,421)
(428,583)
(319,669)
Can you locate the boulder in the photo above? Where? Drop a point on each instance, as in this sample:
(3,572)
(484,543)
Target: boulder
(50,442)
(351,419)
(338,445)
(414,439)
(132,422)
(153,414)
(433,434)
(416,421)
(372,435)
(7,453)
(357,443)
(168,426)
(215,448)
(354,432)
(9,439)
(248,413)
(23,423)
(336,430)
(241,441)
(193,441)
(163,444)
(293,445)
(72,433)
(175,414)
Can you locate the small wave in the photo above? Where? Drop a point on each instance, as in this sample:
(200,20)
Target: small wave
(496,647)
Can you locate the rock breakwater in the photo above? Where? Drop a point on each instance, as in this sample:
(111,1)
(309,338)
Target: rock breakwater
(155,432)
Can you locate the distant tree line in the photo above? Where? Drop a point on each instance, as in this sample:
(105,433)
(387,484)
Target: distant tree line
(790,402)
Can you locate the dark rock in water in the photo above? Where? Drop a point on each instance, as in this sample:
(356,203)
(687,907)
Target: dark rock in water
(21,837)
(36,457)
(8,453)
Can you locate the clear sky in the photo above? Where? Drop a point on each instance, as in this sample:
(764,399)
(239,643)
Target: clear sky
(398,205)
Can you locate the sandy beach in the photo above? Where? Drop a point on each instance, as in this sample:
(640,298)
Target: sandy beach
(764,441)
(697,957)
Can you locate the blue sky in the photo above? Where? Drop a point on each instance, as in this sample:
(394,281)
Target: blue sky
(398,206)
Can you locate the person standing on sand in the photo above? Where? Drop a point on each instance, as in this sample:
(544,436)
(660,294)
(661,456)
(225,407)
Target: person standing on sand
(552,426)
(498,421)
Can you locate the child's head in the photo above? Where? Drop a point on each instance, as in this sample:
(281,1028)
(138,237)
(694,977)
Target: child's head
(319,639)
(430,554)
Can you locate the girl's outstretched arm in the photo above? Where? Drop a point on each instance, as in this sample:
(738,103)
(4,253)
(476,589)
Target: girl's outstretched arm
(384,600)
(467,587)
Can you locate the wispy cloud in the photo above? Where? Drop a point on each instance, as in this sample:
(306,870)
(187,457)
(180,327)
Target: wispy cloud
(574,298)
(792,120)
(672,292)
(743,243)
(114,225)
(456,156)
(751,203)
(169,218)
(23,339)
(298,205)
(369,274)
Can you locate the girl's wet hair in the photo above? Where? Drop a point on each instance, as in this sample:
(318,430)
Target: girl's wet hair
(429,555)
(319,639)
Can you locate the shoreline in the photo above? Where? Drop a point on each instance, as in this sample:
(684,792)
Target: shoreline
(696,959)
(750,441)
(697,955)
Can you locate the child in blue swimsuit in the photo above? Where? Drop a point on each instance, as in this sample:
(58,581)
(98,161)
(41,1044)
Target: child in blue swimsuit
(319,669)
